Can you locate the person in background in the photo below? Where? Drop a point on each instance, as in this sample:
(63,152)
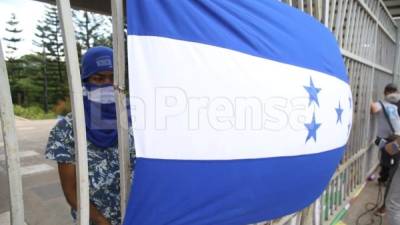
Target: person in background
(393,196)
(102,141)
(388,126)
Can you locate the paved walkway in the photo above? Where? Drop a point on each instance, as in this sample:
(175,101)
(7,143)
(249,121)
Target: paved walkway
(43,197)
(364,201)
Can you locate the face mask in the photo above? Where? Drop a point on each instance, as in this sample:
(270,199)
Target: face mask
(103,94)
(100,115)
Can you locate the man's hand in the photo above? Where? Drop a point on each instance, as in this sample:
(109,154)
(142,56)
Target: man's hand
(375,107)
(102,221)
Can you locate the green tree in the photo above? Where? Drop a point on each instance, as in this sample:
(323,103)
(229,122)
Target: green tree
(91,30)
(12,40)
(87,26)
(48,38)
(28,84)
(13,37)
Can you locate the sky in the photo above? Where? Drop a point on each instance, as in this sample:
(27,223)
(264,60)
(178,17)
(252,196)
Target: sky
(28,13)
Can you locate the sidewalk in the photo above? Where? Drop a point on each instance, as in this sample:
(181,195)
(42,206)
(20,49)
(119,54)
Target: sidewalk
(358,207)
(43,198)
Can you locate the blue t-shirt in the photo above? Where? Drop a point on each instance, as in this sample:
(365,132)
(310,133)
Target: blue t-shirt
(104,189)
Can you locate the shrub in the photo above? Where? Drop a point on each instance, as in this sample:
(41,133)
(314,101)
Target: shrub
(33,113)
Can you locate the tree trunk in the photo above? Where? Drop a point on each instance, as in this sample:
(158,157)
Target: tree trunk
(87,37)
(19,98)
(45,84)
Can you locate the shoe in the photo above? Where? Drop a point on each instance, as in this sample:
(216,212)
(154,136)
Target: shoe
(380,211)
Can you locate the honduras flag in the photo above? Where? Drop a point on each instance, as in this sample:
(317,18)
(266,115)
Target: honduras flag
(242,110)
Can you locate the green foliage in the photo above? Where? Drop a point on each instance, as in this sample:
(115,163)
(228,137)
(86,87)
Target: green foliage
(49,34)
(90,29)
(33,113)
(39,81)
(13,36)
(50,76)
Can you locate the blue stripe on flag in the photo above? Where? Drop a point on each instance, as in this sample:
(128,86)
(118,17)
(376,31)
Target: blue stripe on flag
(230,192)
(262,28)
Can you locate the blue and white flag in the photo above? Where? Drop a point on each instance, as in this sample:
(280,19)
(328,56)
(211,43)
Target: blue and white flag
(242,110)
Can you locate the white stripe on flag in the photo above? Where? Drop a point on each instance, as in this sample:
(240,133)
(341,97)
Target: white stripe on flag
(191,101)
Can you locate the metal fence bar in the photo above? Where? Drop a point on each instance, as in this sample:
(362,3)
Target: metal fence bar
(350,25)
(354,36)
(370,39)
(365,61)
(376,18)
(339,19)
(301,5)
(75,87)
(326,12)
(358,39)
(396,68)
(341,25)
(7,120)
(119,84)
(332,14)
(310,7)
(318,10)
(365,36)
(387,11)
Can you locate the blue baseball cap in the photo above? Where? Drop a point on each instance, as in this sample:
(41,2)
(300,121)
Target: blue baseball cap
(96,59)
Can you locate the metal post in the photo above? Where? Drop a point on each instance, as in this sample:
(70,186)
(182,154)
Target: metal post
(318,10)
(310,7)
(75,85)
(7,120)
(332,11)
(396,69)
(117,9)
(307,215)
(326,13)
(301,5)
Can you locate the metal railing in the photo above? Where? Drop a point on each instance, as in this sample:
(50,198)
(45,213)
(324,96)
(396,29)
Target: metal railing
(367,36)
